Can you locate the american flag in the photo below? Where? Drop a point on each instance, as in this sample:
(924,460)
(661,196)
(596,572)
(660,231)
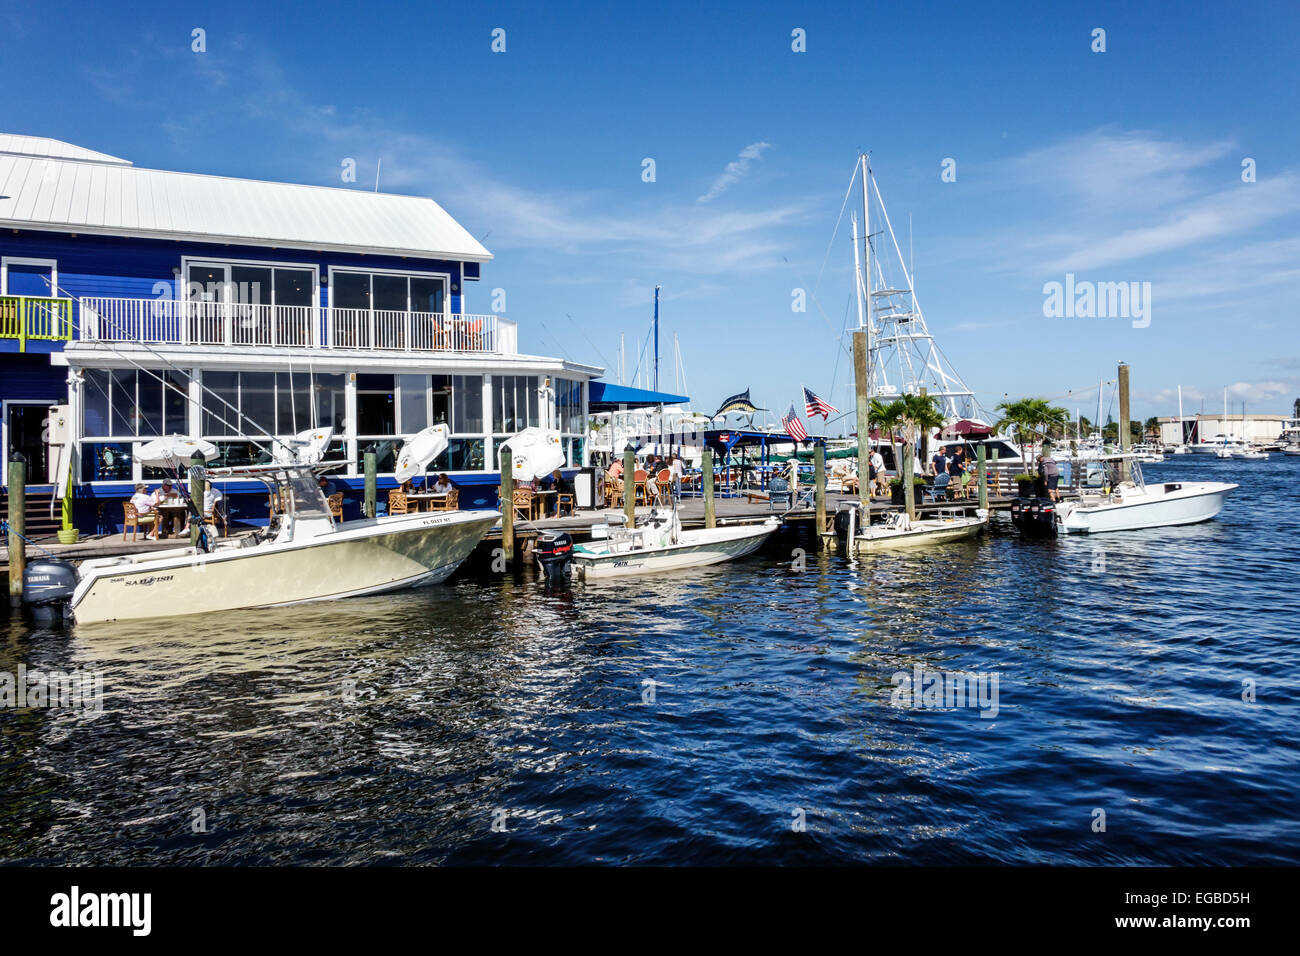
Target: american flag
(793,427)
(816,406)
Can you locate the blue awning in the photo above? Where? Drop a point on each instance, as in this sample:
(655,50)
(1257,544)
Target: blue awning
(607,397)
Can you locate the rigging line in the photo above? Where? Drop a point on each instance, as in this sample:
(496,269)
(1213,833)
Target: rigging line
(583,333)
(840,218)
(173,367)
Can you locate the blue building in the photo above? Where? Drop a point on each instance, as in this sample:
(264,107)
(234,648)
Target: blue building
(154,303)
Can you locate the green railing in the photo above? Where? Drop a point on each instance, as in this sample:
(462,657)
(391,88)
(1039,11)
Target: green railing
(27,318)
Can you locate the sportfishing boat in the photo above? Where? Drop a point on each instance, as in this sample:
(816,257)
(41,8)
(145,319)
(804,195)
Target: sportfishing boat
(1118,499)
(304,554)
(1249,454)
(660,544)
(896,531)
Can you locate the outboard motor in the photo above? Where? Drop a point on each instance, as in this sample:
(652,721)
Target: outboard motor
(48,585)
(554,552)
(841,523)
(1034,517)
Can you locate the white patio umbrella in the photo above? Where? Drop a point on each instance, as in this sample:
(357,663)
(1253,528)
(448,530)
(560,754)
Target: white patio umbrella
(420,449)
(175,451)
(534,453)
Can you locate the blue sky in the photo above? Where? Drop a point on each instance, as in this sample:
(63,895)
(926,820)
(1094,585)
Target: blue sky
(1115,166)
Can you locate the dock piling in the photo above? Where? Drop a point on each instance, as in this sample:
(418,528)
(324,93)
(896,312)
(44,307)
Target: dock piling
(909,490)
(507,495)
(710,517)
(17,518)
(819,476)
(982,474)
(198,487)
(1123,420)
(370,484)
(629,486)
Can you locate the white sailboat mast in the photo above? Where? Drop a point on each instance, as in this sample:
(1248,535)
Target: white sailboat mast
(866,258)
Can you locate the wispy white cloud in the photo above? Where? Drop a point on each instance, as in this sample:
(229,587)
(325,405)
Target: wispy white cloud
(736,170)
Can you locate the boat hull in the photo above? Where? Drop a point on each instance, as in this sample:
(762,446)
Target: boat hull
(698,549)
(1191,504)
(371,558)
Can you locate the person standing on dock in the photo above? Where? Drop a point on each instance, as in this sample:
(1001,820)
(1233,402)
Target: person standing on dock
(940,460)
(677,470)
(876,472)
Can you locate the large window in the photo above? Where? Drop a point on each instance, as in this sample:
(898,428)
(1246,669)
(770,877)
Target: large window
(246,403)
(391,293)
(129,403)
(514,404)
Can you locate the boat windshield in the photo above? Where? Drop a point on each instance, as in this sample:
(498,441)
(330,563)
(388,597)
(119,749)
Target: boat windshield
(308,499)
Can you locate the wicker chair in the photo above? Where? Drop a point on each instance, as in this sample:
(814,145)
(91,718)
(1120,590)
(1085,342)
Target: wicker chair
(449,502)
(336,505)
(133,521)
(397,503)
(642,492)
(522,500)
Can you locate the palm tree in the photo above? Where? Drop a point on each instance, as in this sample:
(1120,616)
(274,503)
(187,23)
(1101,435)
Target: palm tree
(1152,428)
(1031,418)
(918,414)
(887,417)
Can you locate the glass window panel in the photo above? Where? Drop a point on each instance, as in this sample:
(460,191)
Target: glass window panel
(467,404)
(375,413)
(125,412)
(385,454)
(374,383)
(206,283)
(351,290)
(292,404)
(427,295)
(293,287)
(218,418)
(250,285)
(256,402)
(150,391)
(441,387)
(331,401)
(390,293)
(176,404)
(95,398)
(462,454)
(106,461)
(415,403)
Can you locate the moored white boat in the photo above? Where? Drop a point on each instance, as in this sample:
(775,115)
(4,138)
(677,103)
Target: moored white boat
(661,545)
(897,532)
(1130,503)
(309,557)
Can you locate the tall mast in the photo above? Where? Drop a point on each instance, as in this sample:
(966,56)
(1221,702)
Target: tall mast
(1182,428)
(656,375)
(866,261)
(857,269)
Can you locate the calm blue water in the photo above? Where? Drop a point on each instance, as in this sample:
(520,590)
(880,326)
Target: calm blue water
(490,700)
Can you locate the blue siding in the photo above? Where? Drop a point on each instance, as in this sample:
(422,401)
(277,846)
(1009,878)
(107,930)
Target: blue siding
(32,378)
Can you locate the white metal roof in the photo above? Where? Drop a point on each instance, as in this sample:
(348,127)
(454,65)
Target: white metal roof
(112,197)
(54,148)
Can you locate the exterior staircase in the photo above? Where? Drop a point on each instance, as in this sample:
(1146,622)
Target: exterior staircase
(39,523)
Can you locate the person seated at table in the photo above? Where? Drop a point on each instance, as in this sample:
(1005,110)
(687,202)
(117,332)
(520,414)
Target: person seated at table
(212,498)
(442,486)
(165,495)
(327,487)
(615,469)
(144,503)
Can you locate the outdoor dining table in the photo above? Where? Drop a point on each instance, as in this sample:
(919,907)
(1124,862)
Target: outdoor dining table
(540,507)
(168,514)
(424,500)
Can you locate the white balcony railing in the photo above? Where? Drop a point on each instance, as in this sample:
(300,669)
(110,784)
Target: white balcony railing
(171,322)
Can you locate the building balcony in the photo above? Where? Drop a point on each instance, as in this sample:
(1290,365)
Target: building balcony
(172,322)
(27,318)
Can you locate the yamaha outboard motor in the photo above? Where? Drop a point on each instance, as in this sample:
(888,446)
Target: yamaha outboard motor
(554,551)
(48,585)
(1034,517)
(841,523)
